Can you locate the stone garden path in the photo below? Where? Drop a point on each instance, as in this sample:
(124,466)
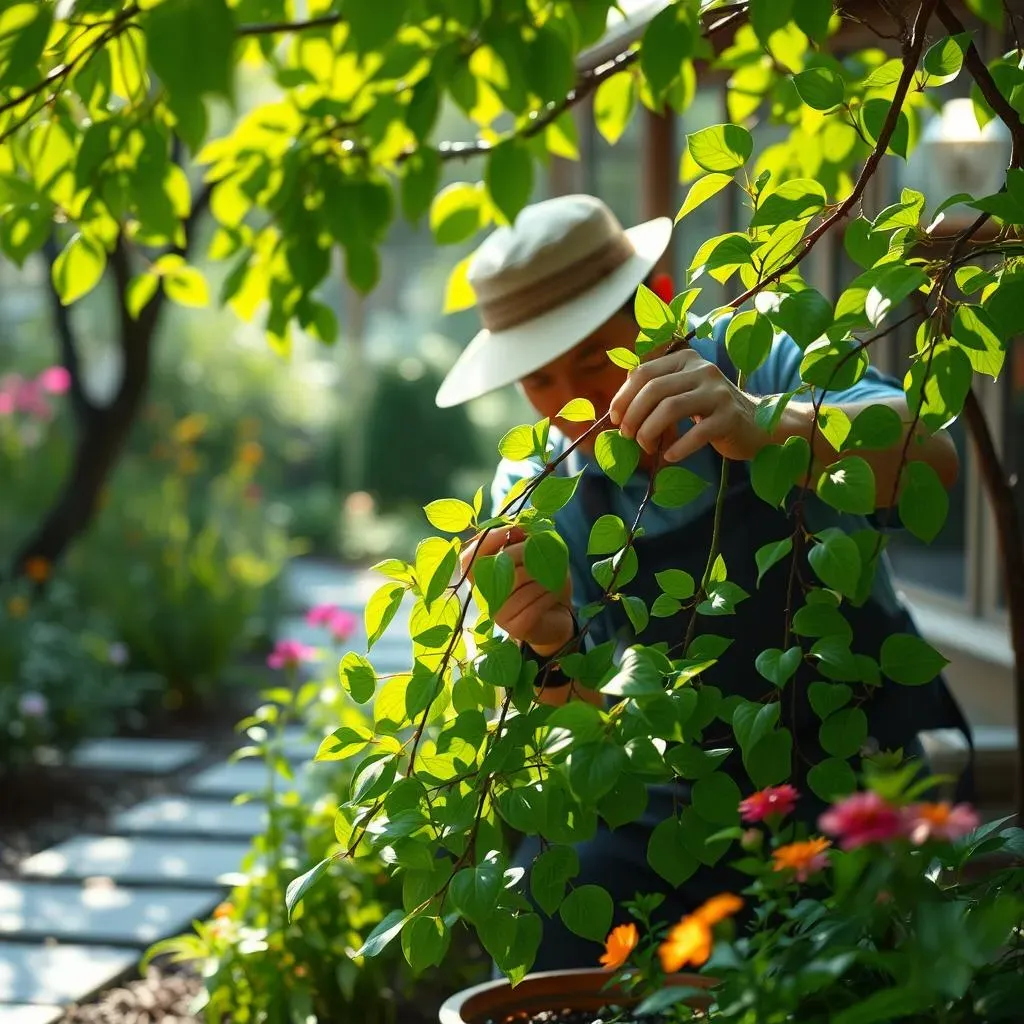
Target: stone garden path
(82,912)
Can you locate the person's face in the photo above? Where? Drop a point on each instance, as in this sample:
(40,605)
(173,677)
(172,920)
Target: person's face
(583,372)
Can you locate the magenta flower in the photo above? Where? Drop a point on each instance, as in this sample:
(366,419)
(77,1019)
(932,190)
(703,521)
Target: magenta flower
(939,821)
(321,614)
(54,379)
(773,800)
(341,624)
(862,819)
(289,654)
(29,398)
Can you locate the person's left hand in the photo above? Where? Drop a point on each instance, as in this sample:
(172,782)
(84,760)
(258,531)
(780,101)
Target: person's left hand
(660,393)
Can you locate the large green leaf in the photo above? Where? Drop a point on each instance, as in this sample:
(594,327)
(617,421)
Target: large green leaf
(820,88)
(547,559)
(510,178)
(937,387)
(675,486)
(722,147)
(843,733)
(668,853)
(924,502)
(594,769)
(748,340)
(716,798)
(618,456)
(976,333)
(202,29)
(668,41)
(836,560)
(849,486)
(701,191)
(796,199)
(474,890)
(550,873)
(613,106)
(457,212)
(804,316)
(777,468)
(909,660)
(587,911)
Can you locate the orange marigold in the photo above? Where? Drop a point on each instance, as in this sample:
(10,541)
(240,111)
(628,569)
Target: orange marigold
(620,943)
(37,569)
(804,858)
(690,941)
(250,454)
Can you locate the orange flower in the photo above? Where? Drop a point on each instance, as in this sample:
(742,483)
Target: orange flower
(223,910)
(620,943)
(37,569)
(250,454)
(804,858)
(690,941)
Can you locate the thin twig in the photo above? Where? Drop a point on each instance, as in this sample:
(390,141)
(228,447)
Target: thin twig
(273,28)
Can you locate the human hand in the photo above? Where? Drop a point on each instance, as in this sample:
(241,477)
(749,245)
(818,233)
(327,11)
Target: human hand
(532,614)
(661,392)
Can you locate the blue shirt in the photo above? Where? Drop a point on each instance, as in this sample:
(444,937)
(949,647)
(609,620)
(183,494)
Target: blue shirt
(779,374)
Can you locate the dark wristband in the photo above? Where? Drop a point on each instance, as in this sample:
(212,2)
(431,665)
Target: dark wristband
(550,673)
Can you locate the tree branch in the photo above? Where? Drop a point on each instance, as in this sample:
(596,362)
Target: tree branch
(69,357)
(273,28)
(986,83)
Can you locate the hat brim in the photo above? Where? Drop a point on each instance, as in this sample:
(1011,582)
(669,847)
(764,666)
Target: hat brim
(495,359)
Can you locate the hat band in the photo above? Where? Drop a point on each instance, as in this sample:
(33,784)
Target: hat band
(547,293)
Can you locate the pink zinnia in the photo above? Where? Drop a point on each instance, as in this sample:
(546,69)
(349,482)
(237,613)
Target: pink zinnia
(773,800)
(54,379)
(861,819)
(939,821)
(289,654)
(321,614)
(29,398)
(343,624)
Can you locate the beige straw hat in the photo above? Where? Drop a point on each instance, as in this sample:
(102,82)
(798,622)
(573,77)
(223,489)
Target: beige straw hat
(544,284)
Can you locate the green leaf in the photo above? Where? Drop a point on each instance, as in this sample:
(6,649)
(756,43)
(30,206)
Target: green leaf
(794,200)
(752,721)
(518,444)
(701,191)
(202,29)
(420,178)
(140,290)
(613,106)
(357,677)
(617,456)
(676,583)
(722,147)
(836,560)
(939,389)
(843,734)
(891,287)
(805,316)
(548,66)
(343,743)
(820,88)
(906,213)
(886,1004)
(777,468)
(768,16)
(827,698)
(770,761)
(449,514)
(373,777)
(587,911)
(675,486)
(668,40)
(652,313)
(692,762)
(834,426)
(78,268)
(849,486)
(298,887)
(975,331)
(500,664)
(909,660)
(546,559)
(457,212)
(524,808)
(553,493)
(988,10)
(425,942)
(875,428)
(812,17)
(945,58)
(474,891)
(624,358)
(748,340)
(722,599)
(864,245)
(579,410)
(636,612)
(494,576)
(716,798)
(550,873)
(924,502)
(668,853)
(665,607)
(187,287)
(637,675)
(607,535)
(778,666)
(626,801)
(510,177)
(832,779)
(381,609)
(873,116)
(771,554)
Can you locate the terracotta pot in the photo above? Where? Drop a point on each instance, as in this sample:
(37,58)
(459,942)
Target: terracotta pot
(582,989)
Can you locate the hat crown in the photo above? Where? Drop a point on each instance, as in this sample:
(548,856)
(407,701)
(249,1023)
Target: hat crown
(548,237)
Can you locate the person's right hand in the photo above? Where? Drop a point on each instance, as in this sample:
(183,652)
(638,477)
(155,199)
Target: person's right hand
(532,614)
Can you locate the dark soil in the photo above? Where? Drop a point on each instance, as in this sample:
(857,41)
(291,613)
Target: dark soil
(608,1015)
(162,997)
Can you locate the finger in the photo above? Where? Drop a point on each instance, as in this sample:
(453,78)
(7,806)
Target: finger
(694,439)
(526,624)
(521,611)
(671,363)
(672,411)
(646,400)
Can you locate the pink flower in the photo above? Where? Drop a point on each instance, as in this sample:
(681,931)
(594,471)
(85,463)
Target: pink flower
(288,654)
(6,403)
(939,821)
(321,614)
(773,800)
(29,398)
(342,624)
(861,819)
(54,379)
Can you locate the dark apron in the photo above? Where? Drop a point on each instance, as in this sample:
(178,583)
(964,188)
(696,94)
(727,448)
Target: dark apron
(617,859)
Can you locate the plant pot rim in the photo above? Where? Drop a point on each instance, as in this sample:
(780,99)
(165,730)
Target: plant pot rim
(535,990)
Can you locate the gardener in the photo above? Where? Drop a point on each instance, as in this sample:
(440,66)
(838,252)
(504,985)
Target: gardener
(555,292)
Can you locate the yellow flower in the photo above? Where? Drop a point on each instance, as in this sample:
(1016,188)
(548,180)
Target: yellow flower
(804,858)
(251,453)
(17,607)
(690,941)
(620,943)
(190,429)
(37,569)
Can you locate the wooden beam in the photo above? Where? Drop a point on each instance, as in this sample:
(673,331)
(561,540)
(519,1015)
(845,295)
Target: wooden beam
(658,175)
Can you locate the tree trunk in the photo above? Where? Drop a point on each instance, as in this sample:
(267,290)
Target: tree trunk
(1011,547)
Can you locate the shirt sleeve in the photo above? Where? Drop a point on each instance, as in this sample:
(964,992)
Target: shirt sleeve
(780,373)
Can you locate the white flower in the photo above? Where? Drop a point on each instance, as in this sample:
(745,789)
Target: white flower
(33,705)
(117,653)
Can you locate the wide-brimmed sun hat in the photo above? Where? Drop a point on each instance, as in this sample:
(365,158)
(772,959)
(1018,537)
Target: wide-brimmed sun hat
(545,283)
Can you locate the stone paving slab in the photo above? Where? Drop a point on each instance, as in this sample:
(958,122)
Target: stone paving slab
(141,860)
(231,779)
(100,913)
(58,975)
(183,815)
(30,1014)
(148,756)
